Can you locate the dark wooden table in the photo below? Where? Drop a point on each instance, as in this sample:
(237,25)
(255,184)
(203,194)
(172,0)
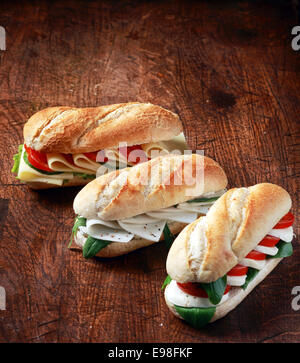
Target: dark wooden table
(228,70)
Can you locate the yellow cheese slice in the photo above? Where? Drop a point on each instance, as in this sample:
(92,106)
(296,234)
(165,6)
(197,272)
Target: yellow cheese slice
(57,162)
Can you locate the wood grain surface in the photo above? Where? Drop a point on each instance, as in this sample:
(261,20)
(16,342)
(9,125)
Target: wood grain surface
(228,69)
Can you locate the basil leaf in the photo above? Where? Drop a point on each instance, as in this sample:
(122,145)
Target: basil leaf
(79,221)
(17,159)
(202,200)
(285,249)
(39,170)
(215,290)
(92,246)
(197,317)
(166,282)
(251,273)
(168,236)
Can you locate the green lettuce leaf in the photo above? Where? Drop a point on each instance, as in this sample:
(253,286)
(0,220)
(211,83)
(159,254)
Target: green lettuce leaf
(79,221)
(285,249)
(168,236)
(166,282)
(251,273)
(92,246)
(17,159)
(85,176)
(196,317)
(202,200)
(215,290)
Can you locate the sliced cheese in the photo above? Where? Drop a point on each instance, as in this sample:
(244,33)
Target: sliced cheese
(174,214)
(285,234)
(139,219)
(84,162)
(195,207)
(27,173)
(106,231)
(149,231)
(57,162)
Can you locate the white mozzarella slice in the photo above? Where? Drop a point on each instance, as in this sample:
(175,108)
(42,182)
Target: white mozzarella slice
(149,231)
(101,230)
(178,297)
(267,250)
(236,280)
(174,214)
(249,262)
(57,162)
(285,234)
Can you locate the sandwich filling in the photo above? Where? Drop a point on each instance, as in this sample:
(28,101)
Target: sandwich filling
(149,226)
(58,169)
(197,302)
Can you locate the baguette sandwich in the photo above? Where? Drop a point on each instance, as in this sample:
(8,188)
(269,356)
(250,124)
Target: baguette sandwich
(67,146)
(217,260)
(135,207)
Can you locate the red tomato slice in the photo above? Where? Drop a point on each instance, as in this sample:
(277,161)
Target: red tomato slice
(285,221)
(134,157)
(91,155)
(256,255)
(100,157)
(69,158)
(195,289)
(37,159)
(238,270)
(269,241)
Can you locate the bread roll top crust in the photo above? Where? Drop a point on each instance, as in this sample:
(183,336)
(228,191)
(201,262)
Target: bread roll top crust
(233,227)
(75,130)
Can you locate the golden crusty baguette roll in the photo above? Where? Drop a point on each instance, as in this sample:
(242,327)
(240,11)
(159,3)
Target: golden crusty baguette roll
(233,226)
(143,188)
(149,186)
(76,130)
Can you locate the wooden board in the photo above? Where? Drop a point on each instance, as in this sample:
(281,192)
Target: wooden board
(228,70)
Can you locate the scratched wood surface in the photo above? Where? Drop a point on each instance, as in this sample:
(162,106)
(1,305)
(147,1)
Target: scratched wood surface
(228,70)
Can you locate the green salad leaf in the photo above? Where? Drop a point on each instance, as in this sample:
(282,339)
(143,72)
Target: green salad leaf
(203,200)
(166,282)
(196,317)
(215,290)
(79,221)
(251,273)
(84,175)
(92,246)
(17,159)
(285,249)
(168,236)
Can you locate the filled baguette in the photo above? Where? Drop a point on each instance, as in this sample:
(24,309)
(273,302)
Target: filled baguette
(217,260)
(67,146)
(134,207)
